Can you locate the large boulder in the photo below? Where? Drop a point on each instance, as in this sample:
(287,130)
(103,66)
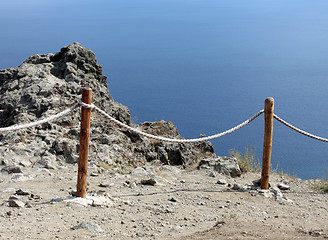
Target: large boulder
(48,83)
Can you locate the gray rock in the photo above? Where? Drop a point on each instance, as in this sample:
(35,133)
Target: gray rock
(25,163)
(11,169)
(226,165)
(283,186)
(173,199)
(212,174)
(100,201)
(106,185)
(45,162)
(16,203)
(84,202)
(91,226)
(276,190)
(221,181)
(13,197)
(257,182)
(265,193)
(149,181)
(23,192)
(238,187)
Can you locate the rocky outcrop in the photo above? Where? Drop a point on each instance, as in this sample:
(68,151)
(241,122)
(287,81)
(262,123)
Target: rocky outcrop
(47,83)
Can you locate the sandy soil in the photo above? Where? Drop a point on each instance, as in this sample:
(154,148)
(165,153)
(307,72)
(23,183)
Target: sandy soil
(181,205)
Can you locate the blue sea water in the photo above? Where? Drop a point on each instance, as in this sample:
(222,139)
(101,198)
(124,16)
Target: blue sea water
(204,65)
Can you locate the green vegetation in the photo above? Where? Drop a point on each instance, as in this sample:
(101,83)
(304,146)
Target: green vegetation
(320,184)
(248,162)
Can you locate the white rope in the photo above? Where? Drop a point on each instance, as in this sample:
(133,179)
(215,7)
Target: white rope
(32,124)
(172,140)
(299,130)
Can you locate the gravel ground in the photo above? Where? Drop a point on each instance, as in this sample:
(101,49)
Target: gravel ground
(169,204)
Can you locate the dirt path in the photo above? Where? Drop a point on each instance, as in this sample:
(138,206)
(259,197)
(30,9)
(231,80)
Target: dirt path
(181,205)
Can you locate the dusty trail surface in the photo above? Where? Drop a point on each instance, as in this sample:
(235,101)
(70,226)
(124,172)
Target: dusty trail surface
(180,205)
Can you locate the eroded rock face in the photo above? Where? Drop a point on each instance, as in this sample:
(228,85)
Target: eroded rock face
(48,83)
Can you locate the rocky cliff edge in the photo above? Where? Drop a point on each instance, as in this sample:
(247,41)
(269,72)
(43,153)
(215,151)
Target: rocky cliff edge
(47,83)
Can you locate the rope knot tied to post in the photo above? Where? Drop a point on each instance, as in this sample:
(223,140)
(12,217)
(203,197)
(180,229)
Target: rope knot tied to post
(85,105)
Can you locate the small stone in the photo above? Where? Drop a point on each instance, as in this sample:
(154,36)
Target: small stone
(238,187)
(56,199)
(100,201)
(45,162)
(73,193)
(316,233)
(149,181)
(93,174)
(221,181)
(212,174)
(105,185)
(35,197)
(12,197)
(172,199)
(265,193)
(25,163)
(11,169)
(79,201)
(16,203)
(257,182)
(283,186)
(92,227)
(23,192)
(276,191)
(28,205)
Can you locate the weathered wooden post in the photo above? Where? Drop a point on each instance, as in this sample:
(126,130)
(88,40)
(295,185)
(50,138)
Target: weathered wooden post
(267,145)
(84,144)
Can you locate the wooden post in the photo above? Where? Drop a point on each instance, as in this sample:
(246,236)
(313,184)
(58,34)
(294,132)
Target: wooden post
(267,145)
(84,144)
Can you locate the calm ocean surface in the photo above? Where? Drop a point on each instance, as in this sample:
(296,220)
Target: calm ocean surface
(204,65)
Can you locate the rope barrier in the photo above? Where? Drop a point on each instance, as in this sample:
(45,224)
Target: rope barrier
(32,124)
(172,140)
(299,130)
